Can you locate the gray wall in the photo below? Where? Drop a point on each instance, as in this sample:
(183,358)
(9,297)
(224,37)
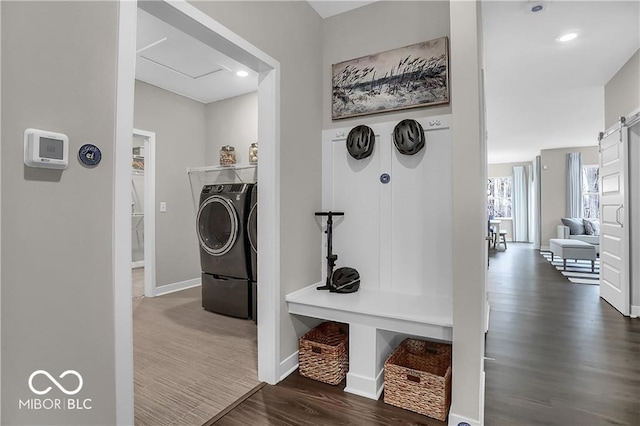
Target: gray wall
(58,73)
(622,92)
(291,33)
(554,187)
(180,127)
(375,28)
(232,122)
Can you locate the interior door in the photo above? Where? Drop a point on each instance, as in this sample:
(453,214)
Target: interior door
(614,232)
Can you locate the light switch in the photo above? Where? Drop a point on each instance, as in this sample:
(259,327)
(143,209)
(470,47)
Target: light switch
(163,206)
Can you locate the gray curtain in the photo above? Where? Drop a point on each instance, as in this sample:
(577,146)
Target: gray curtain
(574,184)
(520,205)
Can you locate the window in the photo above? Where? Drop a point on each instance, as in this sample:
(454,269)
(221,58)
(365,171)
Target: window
(590,192)
(499,192)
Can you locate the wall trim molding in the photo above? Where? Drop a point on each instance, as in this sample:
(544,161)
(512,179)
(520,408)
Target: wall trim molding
(182,285)
(121,227)
(289,365)
(138,264)
(635,311)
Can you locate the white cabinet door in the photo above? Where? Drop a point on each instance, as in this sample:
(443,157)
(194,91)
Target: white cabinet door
(614,229)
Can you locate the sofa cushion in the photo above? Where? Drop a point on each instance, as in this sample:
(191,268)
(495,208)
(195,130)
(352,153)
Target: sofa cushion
(576,226)
(591,226)
(591,239)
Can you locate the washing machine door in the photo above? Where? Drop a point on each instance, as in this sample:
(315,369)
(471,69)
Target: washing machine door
(217,225)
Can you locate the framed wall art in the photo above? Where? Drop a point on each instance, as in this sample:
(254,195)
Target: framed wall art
(407,77)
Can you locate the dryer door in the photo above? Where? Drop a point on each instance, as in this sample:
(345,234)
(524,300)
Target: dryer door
(252,227)
(217,225)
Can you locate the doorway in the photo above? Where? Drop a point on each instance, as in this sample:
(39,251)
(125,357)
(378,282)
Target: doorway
(190,20)
(143,215)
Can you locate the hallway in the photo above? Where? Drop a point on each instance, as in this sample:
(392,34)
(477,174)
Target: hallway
(559,355)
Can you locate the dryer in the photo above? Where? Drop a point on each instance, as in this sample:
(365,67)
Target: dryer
(224,254)
(252,237)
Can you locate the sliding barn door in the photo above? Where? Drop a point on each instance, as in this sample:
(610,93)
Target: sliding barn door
(614,229)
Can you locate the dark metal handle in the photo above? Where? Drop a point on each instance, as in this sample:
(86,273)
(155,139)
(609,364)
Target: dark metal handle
(329,213)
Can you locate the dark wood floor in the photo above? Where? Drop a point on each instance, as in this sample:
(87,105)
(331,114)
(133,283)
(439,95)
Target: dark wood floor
(561,356)
(298,401)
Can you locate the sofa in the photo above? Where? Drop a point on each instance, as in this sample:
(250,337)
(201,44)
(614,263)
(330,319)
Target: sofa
(587,230)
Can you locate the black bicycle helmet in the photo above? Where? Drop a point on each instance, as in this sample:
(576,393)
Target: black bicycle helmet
(408,137)
(360,142)
(345,280)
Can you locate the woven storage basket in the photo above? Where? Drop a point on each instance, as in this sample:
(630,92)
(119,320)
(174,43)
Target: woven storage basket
(417,377)
(324,353)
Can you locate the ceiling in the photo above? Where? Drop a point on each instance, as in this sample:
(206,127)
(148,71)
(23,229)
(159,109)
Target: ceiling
(168,58)
(544,94)
(328,8)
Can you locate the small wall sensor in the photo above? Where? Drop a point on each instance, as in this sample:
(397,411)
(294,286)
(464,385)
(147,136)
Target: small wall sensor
(44,149)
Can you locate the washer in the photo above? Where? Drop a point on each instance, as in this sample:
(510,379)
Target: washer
(224,253)
(221,230)
(252,237)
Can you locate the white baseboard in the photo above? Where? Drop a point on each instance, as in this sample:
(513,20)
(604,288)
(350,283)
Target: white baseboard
(289,365)
(456,420)
(365,386)
(635,311)
(138,264)
(545,248)
(182,285)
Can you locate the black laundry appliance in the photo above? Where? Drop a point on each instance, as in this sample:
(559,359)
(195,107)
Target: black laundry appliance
(224,252)
(252,234)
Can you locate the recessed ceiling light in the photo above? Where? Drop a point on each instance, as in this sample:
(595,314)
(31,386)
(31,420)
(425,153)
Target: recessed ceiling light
(567,37)
(242,73)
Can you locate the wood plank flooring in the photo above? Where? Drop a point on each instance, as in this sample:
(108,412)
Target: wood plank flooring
(189,364)
(298,401)
(561,357)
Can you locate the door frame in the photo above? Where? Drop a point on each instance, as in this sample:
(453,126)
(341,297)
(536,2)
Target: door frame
(187,17)
(149,219)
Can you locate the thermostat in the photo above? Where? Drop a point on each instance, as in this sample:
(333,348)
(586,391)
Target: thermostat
(46,149)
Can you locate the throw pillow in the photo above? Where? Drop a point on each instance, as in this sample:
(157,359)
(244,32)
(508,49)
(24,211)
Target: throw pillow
(591,226)
(576,226)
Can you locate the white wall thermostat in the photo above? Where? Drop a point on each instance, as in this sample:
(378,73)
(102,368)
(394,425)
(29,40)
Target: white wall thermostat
(46,149)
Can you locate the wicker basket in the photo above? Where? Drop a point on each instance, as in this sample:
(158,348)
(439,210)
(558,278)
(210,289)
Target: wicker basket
(417,377)
(324,353)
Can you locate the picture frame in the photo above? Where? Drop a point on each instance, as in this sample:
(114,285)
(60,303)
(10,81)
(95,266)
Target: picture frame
(407,77)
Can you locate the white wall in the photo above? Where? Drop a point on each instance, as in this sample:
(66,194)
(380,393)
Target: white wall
(291,33)
(180,128)
(234,122)
(469,214)
(58,73)
(622,92)
(554,187)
